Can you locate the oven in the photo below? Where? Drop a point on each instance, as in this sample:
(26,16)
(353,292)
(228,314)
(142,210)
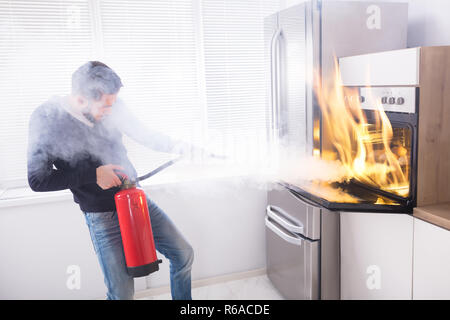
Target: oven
(388,136)
(369,125)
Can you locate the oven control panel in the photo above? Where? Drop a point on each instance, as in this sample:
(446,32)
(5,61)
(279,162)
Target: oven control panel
(392,99)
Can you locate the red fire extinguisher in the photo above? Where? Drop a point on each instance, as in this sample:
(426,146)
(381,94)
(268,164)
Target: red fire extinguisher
(135,226)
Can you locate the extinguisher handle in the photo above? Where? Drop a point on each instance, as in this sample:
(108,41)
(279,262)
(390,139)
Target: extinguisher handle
(122,176)
(126,182)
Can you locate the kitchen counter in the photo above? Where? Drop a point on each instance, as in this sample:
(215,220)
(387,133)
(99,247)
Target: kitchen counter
(438,214)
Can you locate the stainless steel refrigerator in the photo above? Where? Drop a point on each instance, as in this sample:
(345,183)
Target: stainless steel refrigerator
(302,238)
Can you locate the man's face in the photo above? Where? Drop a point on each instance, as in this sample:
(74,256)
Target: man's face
(99,109)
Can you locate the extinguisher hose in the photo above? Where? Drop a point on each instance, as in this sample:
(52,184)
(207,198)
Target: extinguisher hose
(126,182)
(160,168)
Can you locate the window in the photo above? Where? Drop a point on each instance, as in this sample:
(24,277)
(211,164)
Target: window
(233,37)
(41,44)
(191,69)
(152,46)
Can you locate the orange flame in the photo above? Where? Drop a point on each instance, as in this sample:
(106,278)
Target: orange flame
(352,139)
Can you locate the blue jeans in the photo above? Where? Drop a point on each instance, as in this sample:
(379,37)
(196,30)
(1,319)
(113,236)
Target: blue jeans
(105,234)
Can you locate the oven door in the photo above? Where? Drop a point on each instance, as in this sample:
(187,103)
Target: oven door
(402,143)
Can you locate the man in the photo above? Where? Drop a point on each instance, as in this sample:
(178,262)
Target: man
(75,143)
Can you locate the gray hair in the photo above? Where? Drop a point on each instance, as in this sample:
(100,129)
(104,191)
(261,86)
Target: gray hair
(93,79)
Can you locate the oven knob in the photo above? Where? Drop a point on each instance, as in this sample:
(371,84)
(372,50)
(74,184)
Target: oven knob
(391,100)
(384,100)
(400,101)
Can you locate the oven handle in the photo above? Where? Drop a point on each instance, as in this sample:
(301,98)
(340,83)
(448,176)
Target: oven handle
(283,235)
(289,226)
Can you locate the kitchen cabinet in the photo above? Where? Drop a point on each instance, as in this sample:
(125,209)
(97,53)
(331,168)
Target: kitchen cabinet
(376,255)
(431,278)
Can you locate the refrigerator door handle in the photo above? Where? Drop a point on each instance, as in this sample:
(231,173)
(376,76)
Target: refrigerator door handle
(289,226)
(283,235)
(274,82)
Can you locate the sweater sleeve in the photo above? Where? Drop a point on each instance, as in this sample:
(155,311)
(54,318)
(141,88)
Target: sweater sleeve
(42,176)
(123,119)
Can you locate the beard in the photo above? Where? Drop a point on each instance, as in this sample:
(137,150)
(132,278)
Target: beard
(88,114)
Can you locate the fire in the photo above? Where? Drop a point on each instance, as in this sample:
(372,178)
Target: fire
(367,150)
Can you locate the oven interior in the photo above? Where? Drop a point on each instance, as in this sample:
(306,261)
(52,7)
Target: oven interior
(394,147)
(400,149)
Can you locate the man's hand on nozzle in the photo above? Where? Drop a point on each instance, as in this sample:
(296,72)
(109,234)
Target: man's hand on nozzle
(109,176)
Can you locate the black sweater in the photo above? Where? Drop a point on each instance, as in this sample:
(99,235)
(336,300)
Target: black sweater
(64,152)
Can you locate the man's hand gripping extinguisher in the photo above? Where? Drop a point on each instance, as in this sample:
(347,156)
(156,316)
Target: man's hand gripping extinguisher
(135,226)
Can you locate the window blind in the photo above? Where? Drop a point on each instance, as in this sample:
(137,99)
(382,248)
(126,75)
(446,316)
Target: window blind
(235,73)
(152,46)
(41,44)
(191,69)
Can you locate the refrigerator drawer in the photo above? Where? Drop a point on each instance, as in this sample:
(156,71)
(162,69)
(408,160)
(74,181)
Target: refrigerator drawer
(292,262)
(299,212)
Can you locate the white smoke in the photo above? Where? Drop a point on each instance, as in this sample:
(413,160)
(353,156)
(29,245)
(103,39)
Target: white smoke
(248,159)
(246,156)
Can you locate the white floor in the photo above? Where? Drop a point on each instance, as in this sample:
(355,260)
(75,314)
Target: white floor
(254,288)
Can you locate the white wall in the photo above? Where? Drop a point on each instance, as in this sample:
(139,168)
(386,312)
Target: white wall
(37,244)
(429,24)
(223,219)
